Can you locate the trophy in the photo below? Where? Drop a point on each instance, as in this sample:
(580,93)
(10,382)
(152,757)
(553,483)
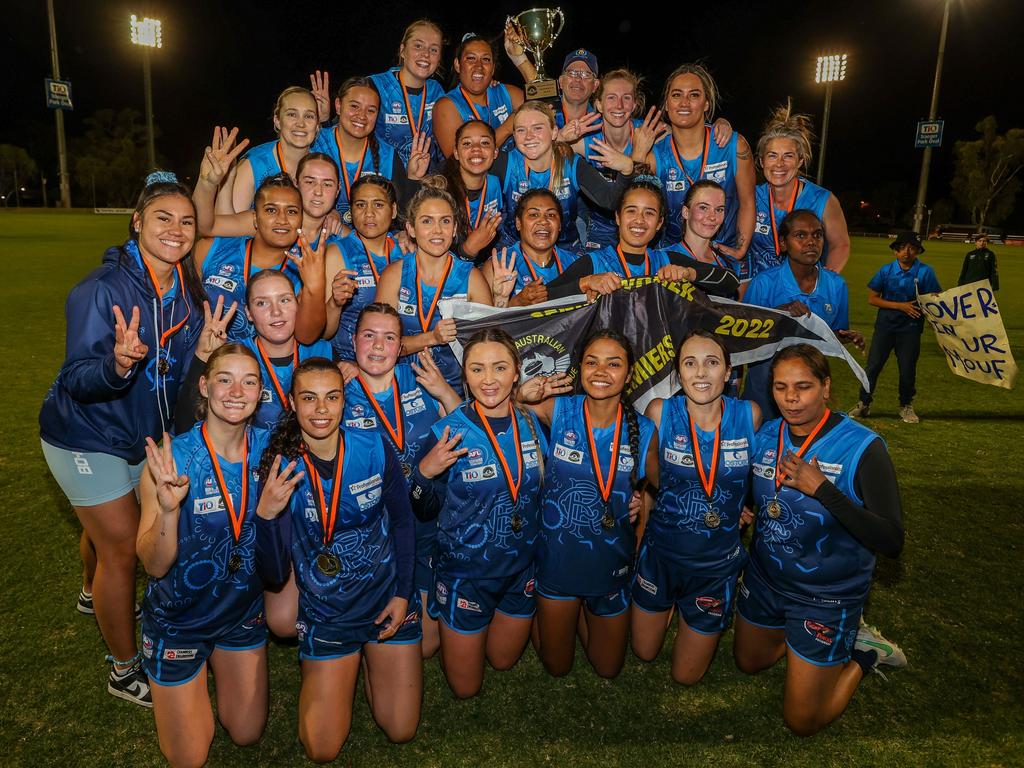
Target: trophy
(536,28)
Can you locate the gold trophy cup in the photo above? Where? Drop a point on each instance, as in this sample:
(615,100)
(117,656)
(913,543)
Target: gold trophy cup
(537,29)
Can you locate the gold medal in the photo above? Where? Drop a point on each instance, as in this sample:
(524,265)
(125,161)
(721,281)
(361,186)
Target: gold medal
(407,469)
(234,562)
(517,523)
(163,367)
(774,509)
(608,520)
(328,564)
(711,519)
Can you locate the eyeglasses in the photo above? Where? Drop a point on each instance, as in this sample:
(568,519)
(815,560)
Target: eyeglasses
(579,74)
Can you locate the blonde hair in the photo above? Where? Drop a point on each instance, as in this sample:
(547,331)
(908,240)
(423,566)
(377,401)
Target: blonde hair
(435,187)
(640,100)
(784,124)
(409,30)
(562,151)
(289,91)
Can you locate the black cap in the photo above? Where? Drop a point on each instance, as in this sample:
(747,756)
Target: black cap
(904,238)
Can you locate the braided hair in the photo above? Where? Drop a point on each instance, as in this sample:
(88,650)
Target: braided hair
(343,89)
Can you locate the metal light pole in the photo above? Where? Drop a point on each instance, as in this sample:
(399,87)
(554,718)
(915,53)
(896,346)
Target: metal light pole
(926,159)
(146,33)
(830,69)
(62,147)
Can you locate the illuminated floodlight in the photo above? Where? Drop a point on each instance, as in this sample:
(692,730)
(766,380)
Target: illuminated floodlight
(146,32)
(831,68)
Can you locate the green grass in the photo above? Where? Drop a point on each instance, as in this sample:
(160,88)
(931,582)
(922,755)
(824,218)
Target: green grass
(953,601)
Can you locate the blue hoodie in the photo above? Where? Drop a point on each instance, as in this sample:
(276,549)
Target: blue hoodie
(90,408)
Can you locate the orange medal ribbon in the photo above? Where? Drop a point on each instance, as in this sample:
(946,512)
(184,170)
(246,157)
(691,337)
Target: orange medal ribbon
(413,126)
(703,157)
(803,448)
(237,516)
(425,321)
(279,156)
(625,265)
(789,209)
(604,484)
(389,246)
(707,479)
(551,178)
(529,263)
(398,431)
(165,337)
(281,395)
(248,261)
(472,106)
(328,515)
(513,488)
(480,210)
(344,168)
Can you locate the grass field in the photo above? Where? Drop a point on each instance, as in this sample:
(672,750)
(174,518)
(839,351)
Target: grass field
(953,601)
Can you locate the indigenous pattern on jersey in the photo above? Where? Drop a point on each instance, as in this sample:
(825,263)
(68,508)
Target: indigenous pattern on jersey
(226,271)
(201,594)
(679,528)
(477,536)
(601,227)
(715,163)
(528,271)
(607,260)
(498,109)
(277,379)
(329,142)
(805,553)
(415,301)
(368,268)
(579,552)
(519,179)
(396,112)
(764,253)
(361,543)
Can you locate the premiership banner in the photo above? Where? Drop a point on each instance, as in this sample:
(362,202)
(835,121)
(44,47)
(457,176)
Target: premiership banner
(654,316)
(970,332)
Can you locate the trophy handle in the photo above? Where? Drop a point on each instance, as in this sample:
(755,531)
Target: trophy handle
(561,21)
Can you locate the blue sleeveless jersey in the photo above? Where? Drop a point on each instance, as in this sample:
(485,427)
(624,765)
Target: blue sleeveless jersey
(577,554)
(607,260)
(527,271)
(328,142)
(739,268)
(498,110)
(493,201)
(720,167)
(263,161)
(601,227)
(677,530)
(361,539)
(271,407)
(475,534)
(393,121)
(762,254)
(419,413)
(805,553)
(199,594)
(224,275)
(456,286)
(519,179)
(355,257)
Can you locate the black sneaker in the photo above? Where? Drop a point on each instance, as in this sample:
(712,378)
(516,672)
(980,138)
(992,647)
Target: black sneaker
(85,605)
(131,685)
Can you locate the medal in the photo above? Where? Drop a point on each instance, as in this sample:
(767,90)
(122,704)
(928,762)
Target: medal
(707,478)
(604,484)
(272,374)
(513,488)
(712,519)
(703,157)
(517,523)
(608,520)
(802,450)
(406,469)
(328,564)
(163,367)
(235,516)
(774,509)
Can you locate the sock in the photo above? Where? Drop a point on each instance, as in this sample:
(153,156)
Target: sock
(866,660)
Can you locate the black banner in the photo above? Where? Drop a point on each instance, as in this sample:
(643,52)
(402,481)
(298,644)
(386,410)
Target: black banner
(654,316)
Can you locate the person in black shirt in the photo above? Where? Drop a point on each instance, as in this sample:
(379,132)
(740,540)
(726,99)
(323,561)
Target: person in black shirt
(980,264)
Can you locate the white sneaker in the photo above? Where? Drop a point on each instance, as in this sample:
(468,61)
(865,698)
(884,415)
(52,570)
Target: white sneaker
(907,414)
(860,411)
(870,639)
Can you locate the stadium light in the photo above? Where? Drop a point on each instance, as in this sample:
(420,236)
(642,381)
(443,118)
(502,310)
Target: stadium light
(830,69)
(147,34)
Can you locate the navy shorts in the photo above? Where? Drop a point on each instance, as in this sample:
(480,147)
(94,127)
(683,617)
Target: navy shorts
(322,641)
(704,602)
(821,634)
(468,605)
(606,606)
(176,659)
(423,574)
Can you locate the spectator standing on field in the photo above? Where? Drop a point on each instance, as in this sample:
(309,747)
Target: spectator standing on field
(980,264)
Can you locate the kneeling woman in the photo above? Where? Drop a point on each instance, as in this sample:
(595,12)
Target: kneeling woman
(353,553)
(827,500)
(208,548)
(482,476)
(691,555)
(600,449)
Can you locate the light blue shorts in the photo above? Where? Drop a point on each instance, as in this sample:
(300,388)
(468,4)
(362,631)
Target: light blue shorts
(88,479)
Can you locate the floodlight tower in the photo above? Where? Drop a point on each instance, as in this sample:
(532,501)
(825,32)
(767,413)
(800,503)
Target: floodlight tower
(831,69)
(146,33)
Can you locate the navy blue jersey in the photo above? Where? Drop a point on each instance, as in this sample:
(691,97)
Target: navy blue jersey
(265,160)
(679,525)
(360,541)
(396,112)
(329,142)
(893,283)
(805,553)
(368,268)
(829,299)
(477,536)
(601,227)
(226,271)
(414,305)
(579,552)
(765,247)
(519,179)
(201,594)
(498,110)
(528,271)
(677,174)
(607,260)
(277,379)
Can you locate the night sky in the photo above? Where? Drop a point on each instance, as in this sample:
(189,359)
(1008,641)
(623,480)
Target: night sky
(225,62)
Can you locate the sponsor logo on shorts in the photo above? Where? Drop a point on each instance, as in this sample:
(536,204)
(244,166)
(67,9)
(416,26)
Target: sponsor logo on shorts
(564,453)
(528,589)
(621,571)
(81,464)
(709,605)
(301,629)
(255,621)
(147,647)
(180,654)
(441,593)
(823,633)
(412,617)
(647,586)
(744,592)
(467,605)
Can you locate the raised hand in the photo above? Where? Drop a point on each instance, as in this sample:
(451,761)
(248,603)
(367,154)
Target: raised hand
(609,157)
(311,262)
(503,276)
(218,158)
(392,617)
(171,488)
(572,131)
(215,327)
(419,157)
(646,135)
(128,347)
(513,42)
(278,489)
(540,388)
(428,375)
(333,225)
(483,234)
(444,453)
(672,273)
(343,287)
(320,85)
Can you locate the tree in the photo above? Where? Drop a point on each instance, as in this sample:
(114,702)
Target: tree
(110,161)
(17,169)
(987,176)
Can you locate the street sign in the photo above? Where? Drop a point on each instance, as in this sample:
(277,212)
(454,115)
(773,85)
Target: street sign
(58,94)
(929,133)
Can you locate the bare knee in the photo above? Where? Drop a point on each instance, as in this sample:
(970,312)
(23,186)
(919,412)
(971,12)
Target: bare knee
(323,750)
(465,688)
(645,651)
(245,734)
(400,733)
(750,663)
(281,625)
(607,670)
(186,755)
(557,667)
(803,725)
(689,676)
